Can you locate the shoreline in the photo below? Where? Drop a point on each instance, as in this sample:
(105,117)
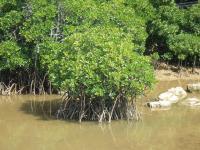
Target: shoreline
(171,73)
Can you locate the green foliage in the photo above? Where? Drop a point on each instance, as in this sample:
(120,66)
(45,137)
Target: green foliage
(98,55)
(10,20)
(49,35)
(36,28)
(11,56)
(168,22)
(155,56)
(143,8)
(11,53)
(100,62)
(154,59)
(167,56)
(56,36)
(158,3)
(171,14)
(185,45)
(175,31)
(90,13)
(192,24)
(7,5)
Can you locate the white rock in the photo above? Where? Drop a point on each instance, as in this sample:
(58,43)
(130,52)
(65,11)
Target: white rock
(174,99)
(165,96)
(191,102)
(166,99)
(159,104)
(193,87)
(155,104)
(173,95)
(165,103)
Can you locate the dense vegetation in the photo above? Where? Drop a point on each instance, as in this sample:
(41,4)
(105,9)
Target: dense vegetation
(174,34)
(96,50)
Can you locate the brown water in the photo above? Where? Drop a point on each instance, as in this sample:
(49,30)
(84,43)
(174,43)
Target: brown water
(25,124)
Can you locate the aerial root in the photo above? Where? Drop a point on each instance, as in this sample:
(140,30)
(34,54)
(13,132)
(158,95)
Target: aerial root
(97,110)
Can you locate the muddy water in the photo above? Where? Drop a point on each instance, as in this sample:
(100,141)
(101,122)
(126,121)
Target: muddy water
(26,123)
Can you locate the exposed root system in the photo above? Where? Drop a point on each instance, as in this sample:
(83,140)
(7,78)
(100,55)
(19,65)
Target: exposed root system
(97,109)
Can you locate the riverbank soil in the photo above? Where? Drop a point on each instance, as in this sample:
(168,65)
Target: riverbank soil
(168,72)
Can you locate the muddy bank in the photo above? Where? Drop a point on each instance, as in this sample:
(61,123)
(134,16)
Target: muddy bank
(167,73)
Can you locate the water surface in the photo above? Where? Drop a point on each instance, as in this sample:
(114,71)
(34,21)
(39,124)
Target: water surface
(27,123)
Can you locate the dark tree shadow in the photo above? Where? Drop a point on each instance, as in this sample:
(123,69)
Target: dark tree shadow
(45,110)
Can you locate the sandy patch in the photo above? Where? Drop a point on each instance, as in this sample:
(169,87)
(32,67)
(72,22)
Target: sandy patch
(173,74)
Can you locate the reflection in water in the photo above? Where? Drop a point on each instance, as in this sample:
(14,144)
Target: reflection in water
(44,108)
(27,122)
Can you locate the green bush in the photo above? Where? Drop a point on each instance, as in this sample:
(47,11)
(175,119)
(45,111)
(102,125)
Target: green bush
(185,46)
(102,62)
(175,31)
(11,56)
(99,62)
(192,23)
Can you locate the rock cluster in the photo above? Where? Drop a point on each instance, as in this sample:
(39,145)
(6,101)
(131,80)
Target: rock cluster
(174,95)
(169,97)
